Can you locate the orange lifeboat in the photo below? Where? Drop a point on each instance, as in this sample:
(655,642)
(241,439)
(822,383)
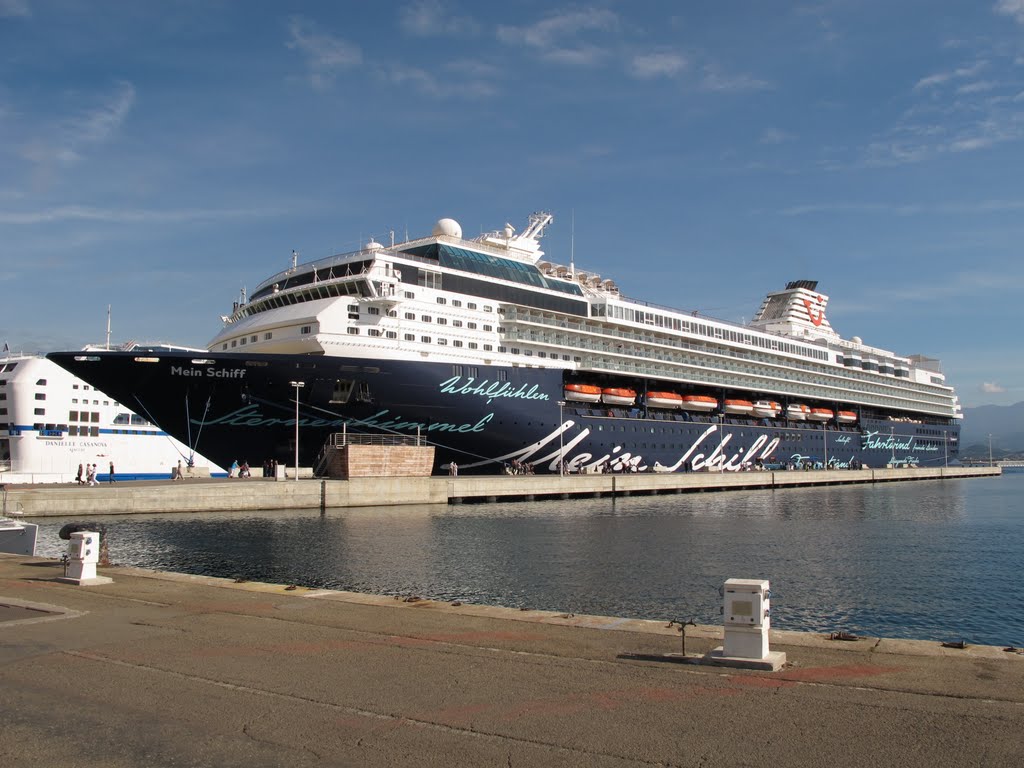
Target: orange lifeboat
(613,396)
(738,407)
(797,412)
(820,414)
(664,400)
(767,409)
(846,417)
(583,393)
(699,403)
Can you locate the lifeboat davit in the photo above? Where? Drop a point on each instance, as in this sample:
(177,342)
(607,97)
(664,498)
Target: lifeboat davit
(583,393)
(846,417)
(738,407)
(664,400)
(797,412)
(613,396)
(820,414)
(767,409)
(699,403)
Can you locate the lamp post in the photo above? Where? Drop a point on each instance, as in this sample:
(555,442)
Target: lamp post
(892,445)
(824,440)
(298,385)
(990,449)
(561,440)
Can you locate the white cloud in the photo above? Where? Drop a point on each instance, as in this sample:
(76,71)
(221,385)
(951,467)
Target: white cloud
(664,64)
(980,86)
(429,18)
(775,136)
(1014,8)
(992,388)
(325,54)
(124,215)
(722,83)
(556,37)
(14,9)
(960,73)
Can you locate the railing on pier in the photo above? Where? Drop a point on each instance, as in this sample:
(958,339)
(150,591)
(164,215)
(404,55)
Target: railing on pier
(339,439)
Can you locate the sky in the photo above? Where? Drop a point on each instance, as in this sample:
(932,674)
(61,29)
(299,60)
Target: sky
(161,157)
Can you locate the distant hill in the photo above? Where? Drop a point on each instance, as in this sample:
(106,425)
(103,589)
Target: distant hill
(1004,422)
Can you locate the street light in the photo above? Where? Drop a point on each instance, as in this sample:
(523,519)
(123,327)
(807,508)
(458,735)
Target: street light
(561,432)
(298,385)
(990,449)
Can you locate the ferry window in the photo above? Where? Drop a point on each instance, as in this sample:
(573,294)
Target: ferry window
(242,342)
(252,339)
(304,329)
(391,335)
(408,295)
(73,416)
(95,418)
(40,411)
(121,418)
(474,372)
(457,323)
(502,375)
(392,313)
(456,370)
(41,383)
(442,300)
(268,336)
(456,343)
(488,308)
(373,310)
(502,349)
(488,348)
(426,318)
(342,391)
(373,332)
(40,395)
(86,386)
(541,354)
(565,357)
(471,325)
(473,345)
(442,342)
(429,279)
(74,386)
(514,350)
(353,308)
(352,331)
(72,431)
(456,303)
(488,327)
(425,339)
(410,316)
(94,431)
(73,399)
(442,321)
(410,337)
(137,420)
(471,305)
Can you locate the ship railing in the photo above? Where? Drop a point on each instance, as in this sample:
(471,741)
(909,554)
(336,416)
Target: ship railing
(341,439)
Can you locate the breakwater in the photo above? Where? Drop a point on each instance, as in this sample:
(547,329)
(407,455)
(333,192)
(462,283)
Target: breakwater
(211,495)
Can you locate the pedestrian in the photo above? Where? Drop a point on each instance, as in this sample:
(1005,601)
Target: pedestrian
(453,469)
(110,477)
(176,474)
(233,469)
(273,468)
(78,477)
(90,474)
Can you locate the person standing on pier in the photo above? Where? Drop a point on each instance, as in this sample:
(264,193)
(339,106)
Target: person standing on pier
(78,477)
(110,476)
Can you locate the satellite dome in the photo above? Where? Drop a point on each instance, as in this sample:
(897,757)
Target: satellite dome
(856,340)
(373,245)
(449,227)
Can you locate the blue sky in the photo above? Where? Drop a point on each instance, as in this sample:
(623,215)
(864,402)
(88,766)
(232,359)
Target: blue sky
(160,156)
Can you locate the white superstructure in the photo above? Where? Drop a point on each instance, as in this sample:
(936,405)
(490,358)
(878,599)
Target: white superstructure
(493,300)
(51,422)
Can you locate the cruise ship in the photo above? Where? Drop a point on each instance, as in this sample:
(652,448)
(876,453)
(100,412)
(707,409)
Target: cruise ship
(504,359)
(52,422)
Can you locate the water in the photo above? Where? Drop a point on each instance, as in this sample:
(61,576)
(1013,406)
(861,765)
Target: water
(935,560)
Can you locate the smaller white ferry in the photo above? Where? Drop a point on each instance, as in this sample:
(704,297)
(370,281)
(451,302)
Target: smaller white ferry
(52,423)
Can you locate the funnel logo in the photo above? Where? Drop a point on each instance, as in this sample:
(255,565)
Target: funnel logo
(815,310)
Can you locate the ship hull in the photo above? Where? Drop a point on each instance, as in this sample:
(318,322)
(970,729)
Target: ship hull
(486,419)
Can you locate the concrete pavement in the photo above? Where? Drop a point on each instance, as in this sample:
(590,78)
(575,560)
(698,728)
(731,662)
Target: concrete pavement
(166,669)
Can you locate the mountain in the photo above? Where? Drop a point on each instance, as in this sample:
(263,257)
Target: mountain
(1004,422)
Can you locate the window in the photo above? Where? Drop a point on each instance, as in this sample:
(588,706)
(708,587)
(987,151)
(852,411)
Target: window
(303,330)
(73,416)
(456,303)
(392,313)
(267,336)
(41,383)
(471,305)
(252,339)
(352,331)
(488,328)
(442,321)
(234,343)
(429,279)
(471,325)
(410,316)
(373,332)
(40,412)
(95,418)
(373,310)
(472,345)
(242,342)
(224,346)
(442,342)
(410,337)
(456,343)
(40,395)
(502,375)
(426,318)
(391,335)
(408,295)
(488,348)
(457,323)
(425,339)
(488,308)
(442,300)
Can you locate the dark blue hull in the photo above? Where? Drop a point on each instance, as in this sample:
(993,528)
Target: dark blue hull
(232,407)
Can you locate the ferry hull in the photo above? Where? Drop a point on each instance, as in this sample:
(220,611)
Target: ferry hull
(236,407)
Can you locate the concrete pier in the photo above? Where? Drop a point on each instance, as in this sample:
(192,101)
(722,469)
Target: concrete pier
(165,669)
(211,495)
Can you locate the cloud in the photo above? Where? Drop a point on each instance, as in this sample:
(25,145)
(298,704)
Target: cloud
(14,9)
(721,83)
(650,65)
(325,54)
(119,215)
(775,136)
(1013,8)
(556,37)
(428,18)
(960,73)
(992,388)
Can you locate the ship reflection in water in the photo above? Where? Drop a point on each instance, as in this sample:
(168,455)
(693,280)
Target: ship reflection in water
(930,560)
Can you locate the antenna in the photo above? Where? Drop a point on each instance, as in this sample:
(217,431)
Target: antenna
(108,327)
(572,245)
(295,259)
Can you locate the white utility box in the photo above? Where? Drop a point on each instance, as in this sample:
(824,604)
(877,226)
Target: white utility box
(83,554)
(747,613)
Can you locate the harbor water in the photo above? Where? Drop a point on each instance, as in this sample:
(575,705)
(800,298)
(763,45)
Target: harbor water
(933,560)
